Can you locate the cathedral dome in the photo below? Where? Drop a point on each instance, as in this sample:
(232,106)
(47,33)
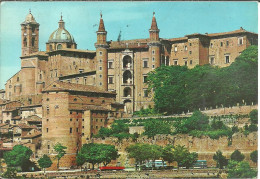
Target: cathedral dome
(61,34)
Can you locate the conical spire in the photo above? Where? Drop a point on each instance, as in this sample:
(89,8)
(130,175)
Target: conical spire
(154,23)
(101,27)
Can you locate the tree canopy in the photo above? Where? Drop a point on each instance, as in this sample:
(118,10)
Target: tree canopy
(183,157)
(19,156)
(237,156)
(254,116)
(240,170)
(45,162)
(60,149)
(97,153)
(220,159)
(153,127)
(177,88)
(254,156)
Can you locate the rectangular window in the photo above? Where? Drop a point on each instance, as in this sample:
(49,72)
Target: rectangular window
(110,80)
(100,53)
(240,41)
(153,52)
(190,52)
(211,45)
(100,68)
(190,62)
(153,66)
(175,49)
(145,78)
(48,110)
(145,63)
(175,62)
(153,59)
(145,93)
(110,64)
(227,59)
(227,43)
(221,44)
(77,129)
(211,60)
(85,80)
(70,130)
(190,44)
(185,61)
(47,130)
(185,48)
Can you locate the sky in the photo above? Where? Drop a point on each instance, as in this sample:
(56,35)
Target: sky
(174,19)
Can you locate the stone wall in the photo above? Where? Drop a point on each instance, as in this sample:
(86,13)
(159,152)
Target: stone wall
(204,146)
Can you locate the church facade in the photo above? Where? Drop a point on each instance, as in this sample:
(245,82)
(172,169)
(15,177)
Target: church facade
(76,92)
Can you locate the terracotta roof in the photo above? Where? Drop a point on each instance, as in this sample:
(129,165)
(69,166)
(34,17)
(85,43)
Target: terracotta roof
(177,39)
(2,90)
(73,50)
(25,126)
(96,108)
(3,101)
(64,86)
(101,27)
(17,117)
(34,118)
(6,148)
(39,53)
(231,32)
(32,135)
(3,124)
(154,23)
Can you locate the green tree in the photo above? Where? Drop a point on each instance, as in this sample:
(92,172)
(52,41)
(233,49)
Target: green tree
(220,159)
(140,152)
(80,160)
(197,121)
(98,153)
(254,116)
(119,126)
(237,156)
(19,156)
(254,156)
(240,170)
(153,127)
(167,153)
(155,153)
(45,162)
(183,157)
(60,149)
(104,132)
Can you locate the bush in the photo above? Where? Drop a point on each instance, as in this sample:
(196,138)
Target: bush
(240,170)
(254,116)
(237,156)
(252,128)
(254,156)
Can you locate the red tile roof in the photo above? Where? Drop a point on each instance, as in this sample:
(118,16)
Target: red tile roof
(25,126)
(33,118)
(64,86)
(32,135)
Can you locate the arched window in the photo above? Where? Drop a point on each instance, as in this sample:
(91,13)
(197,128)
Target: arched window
(127,77)
(127,92)
(33,41)
(25,42)
(51,48)
(59,46)
(127,62)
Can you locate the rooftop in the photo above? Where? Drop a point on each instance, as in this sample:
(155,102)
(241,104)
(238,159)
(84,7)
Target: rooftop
(63,86)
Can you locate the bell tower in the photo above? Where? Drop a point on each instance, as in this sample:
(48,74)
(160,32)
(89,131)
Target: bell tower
(154,44)
(101,56)
(30,35)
